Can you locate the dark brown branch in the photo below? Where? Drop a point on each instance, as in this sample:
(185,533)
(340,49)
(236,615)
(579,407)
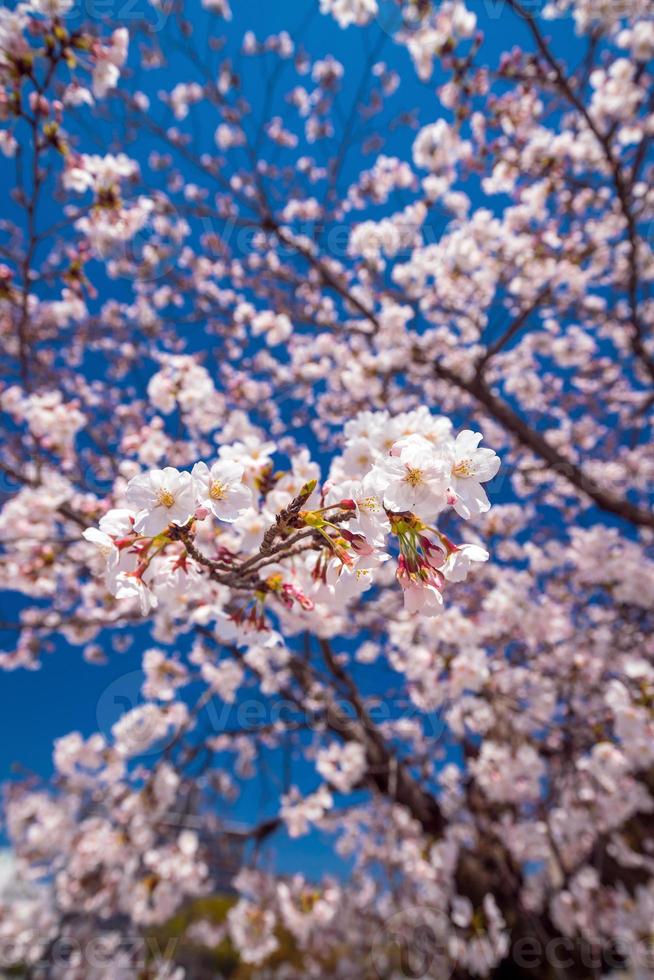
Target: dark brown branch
(387,773)
(533,440)
(511,331)
(621,185)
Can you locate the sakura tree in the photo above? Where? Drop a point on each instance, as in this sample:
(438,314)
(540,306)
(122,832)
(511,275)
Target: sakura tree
(277,330)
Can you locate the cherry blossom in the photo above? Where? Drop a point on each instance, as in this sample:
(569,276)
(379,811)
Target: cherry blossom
(415,479)
(471,467)
(457,565)
(342,766)
(252,931)
(349,12)
(160,498)
(279,312)
(221,489)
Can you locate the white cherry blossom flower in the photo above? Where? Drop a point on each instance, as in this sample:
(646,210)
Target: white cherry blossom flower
(52,8)
(459,562)
(110,60)
(139,729)
(252,931)
(298,814)
(163,675)
(368,498)
(107,549)
(276,327)
(221,489)
(224,678)
(219,7)
(348,12)
(346,581)
(118,522)
(470,467)
(131,586)
(253,453)
(342,765)
(421,597)
(416,479)
(161,497)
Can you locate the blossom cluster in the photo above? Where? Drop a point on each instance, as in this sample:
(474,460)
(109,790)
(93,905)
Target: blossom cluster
(381,486)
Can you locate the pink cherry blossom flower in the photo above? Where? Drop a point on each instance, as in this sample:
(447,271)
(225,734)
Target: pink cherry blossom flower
(421,587)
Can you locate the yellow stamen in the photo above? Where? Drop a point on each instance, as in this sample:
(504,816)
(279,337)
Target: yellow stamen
(165,498)
(413,476)
(217,490)
(463,468)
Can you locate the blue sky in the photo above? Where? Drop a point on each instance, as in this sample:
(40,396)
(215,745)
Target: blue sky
(67,693)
